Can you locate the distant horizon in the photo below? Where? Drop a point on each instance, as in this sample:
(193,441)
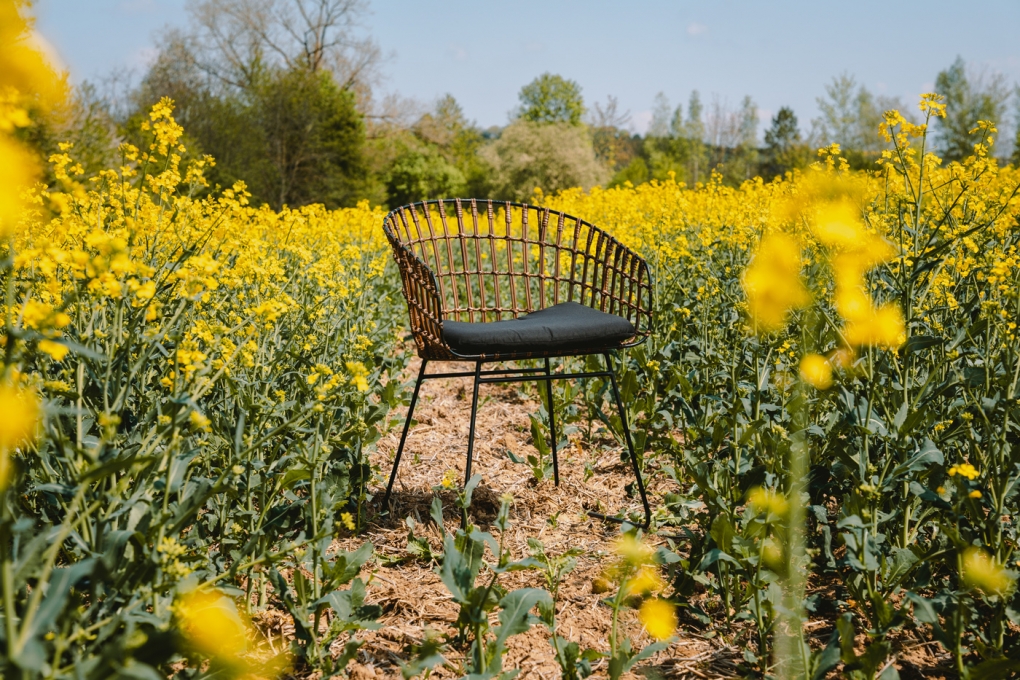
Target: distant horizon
(779,56)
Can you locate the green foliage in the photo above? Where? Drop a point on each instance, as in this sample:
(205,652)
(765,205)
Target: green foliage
(293,136)
(463,562)
(551,98)
(784,149)
(182,444)
(419,175)
(888,516)
(969,99)
(550,156)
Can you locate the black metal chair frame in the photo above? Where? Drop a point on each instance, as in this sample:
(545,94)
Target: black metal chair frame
(624,288)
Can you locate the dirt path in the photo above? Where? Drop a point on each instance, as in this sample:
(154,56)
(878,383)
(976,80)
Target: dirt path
(411,594)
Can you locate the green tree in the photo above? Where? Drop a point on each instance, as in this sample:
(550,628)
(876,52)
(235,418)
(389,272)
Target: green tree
(551,98)
(422,174)
(783,146)
(969,98)
(663,148)
(313,137)
(457,140)
(550,156)
(1015,158)
(269,88)
(693,135)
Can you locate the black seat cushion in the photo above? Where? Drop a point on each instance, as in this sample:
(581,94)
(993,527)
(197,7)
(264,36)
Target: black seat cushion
(565,327)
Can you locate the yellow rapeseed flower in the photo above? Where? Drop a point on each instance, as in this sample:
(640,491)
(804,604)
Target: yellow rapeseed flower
(20,409)
(838,225)
(647,580)
(773,284)
(964,470)
(982,572)
(348,521)
(816,371)
(56,350)
(658,617)
(882,327)
(767,501)
(633,551)
(211,624)
(199,421)
(449,479)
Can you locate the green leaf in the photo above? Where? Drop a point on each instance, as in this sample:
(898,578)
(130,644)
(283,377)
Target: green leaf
(514,617)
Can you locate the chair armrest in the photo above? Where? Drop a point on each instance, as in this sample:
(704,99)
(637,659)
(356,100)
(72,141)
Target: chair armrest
(424,304)
(619,281)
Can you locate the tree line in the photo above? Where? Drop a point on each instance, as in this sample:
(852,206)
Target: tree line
(280,93)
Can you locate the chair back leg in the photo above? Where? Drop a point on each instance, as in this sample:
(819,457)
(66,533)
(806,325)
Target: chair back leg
(630,442)
(403,436)
(552,423)
(471,433)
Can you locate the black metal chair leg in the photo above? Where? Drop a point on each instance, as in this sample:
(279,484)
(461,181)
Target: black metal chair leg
(630,442)
(403,436)
(552,424)
(471,434)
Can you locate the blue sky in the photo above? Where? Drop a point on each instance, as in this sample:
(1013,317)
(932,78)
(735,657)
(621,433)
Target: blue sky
(482,52)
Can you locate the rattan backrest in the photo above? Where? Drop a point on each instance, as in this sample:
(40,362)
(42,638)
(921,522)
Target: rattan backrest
(491,260)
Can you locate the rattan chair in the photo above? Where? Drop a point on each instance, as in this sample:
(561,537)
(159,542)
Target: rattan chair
(493,281)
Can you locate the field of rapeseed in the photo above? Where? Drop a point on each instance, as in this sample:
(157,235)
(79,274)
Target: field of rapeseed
(189,386)
(835,389)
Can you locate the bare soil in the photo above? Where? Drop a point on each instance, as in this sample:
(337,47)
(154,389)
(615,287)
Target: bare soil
(592,477)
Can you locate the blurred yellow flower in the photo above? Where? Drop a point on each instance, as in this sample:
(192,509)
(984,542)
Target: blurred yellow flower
(56,350)
(647,580)
(974,494)
(211,624)
(882,327)
(816,371)
(981,571)
(199,421)
(348,521)
(20,409)
(633,551)
(838,225)
(767,501)
(658,617)
(359,374)
(964,470)
(773,284)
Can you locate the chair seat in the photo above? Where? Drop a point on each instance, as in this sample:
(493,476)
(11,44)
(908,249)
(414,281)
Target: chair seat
(566,327)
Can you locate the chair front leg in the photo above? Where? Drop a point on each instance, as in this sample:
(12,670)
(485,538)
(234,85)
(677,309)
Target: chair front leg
(552,423)
(471,433)
(403,436)
(630,442)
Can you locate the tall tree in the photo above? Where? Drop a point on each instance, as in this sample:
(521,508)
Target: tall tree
(551,98)
(969,98)
(694,138)
(270,88)
(614,146)
(550,156)
(234,40)
(783,146)
(1015,158)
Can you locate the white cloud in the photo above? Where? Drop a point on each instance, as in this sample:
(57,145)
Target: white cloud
(697,29)
(534,46)
(458,52)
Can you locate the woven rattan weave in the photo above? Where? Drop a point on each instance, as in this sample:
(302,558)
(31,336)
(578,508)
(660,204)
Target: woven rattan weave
(483,261)
(478,261)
